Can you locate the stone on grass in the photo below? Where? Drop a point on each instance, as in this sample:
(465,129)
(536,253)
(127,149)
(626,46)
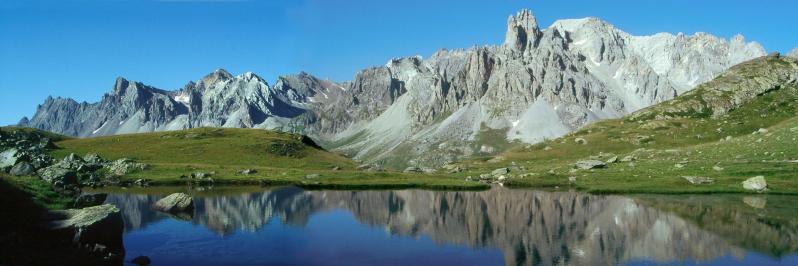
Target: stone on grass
(312,176)
(699,180)
(756,183)
(500,171)
(412,169)
(590,164)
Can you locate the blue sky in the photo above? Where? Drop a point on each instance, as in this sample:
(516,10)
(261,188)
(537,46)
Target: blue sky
(76,49)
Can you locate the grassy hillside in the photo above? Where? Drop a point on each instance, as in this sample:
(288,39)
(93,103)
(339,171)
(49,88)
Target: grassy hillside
(279,158)
(707,132)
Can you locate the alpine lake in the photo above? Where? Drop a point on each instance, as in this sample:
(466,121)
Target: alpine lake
(253,225)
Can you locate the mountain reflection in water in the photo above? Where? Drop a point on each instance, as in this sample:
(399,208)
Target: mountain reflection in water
(528,227)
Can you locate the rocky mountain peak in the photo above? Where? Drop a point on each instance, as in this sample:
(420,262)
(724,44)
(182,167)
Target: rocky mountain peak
(522,30)
(793,53)
(219,75)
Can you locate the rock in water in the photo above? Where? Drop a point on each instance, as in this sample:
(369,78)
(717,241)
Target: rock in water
(698,180)
(98,226)
(590,164)
(175,203)
(21,169)
(141,261)
(756,183)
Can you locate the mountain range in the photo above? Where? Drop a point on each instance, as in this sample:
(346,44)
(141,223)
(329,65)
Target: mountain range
(540,83)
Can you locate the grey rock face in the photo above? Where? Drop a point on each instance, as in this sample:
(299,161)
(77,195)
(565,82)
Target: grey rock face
(175,203)
(22,169)
(541,83)
(590,164)
(793,53)
(95,226)
(56,174)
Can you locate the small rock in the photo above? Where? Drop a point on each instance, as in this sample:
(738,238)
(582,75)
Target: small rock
(761,131)
(628,158)
(312,176)
(486,149)
(547,148)
(175,203)
(485,177)
(141,261)
(698,180)
(590,164)
(756,183)
(572,179)
(200,175)
(501,178)
(336,168)
(580,141)
(248,172)
(612,159)
(717,168)
(678,165)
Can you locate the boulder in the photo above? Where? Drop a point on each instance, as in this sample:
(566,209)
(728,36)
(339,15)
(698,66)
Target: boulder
(88,200)
(756,183)
(98,227)
(9,158)
(500,171)
(141,261)
(72,162)
(55,173)
(698,180)
(175,203)
(93,159)
(590,164)
(22,169)
(124,166)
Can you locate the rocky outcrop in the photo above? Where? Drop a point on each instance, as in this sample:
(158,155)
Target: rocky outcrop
(98,228)
(540,83)
(793,53)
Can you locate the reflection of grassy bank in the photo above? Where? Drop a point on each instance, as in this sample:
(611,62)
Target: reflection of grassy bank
(766,224)
(23,238)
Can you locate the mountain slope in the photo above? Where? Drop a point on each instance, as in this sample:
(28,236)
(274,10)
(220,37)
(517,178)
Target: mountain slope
(741,124)
(541,83)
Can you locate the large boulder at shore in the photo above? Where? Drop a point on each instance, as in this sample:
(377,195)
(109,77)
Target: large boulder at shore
(175,203)
(98,228)
(756,183)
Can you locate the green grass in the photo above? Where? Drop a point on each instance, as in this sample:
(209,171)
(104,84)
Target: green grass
(279,158)
(692,136)
(39,191)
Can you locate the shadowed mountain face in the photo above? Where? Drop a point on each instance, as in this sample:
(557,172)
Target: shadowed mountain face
(540,83)
(529,227)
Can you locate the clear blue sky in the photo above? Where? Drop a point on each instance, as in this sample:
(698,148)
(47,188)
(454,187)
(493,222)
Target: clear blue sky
(77,48)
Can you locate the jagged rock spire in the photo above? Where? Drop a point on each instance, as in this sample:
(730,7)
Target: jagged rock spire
(216,76)
(522,30)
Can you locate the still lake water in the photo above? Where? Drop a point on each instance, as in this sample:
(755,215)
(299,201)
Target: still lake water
(292,226)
